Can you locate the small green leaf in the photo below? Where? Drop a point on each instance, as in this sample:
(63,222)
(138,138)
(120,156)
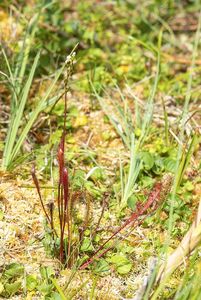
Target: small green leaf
(86,245)
(31,282)
(12,288)
(124,269)
(45,288)
(146,181)
(159,165)
(147,159)
(122,264)
(189,186)
(79,178)
(132,201)
(102,267)
(13,270)
(169,164)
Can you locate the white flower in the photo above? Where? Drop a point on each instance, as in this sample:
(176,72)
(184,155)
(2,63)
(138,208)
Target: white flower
(69,58)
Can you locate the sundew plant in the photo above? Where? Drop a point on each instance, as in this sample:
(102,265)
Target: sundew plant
(100,150)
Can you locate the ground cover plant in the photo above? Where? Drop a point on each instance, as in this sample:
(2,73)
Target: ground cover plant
(100,150)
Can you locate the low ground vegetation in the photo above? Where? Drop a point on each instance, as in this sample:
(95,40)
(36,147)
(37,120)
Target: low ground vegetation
(100,150)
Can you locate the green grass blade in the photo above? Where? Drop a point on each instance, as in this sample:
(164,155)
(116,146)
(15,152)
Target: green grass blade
(12,81)
(34,115)
(121,177)
(166,124)
(150,104)
(59,289)
(23,56)
(14,126)
(185,159)
(133,173)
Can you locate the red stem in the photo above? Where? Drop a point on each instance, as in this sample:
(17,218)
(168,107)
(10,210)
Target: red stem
(35,180)
(154,195)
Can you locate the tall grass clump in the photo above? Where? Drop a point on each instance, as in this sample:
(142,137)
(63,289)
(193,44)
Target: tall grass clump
(125,127)
(20,78)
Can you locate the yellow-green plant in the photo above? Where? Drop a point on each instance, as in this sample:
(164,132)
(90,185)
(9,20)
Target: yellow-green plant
(20,84)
